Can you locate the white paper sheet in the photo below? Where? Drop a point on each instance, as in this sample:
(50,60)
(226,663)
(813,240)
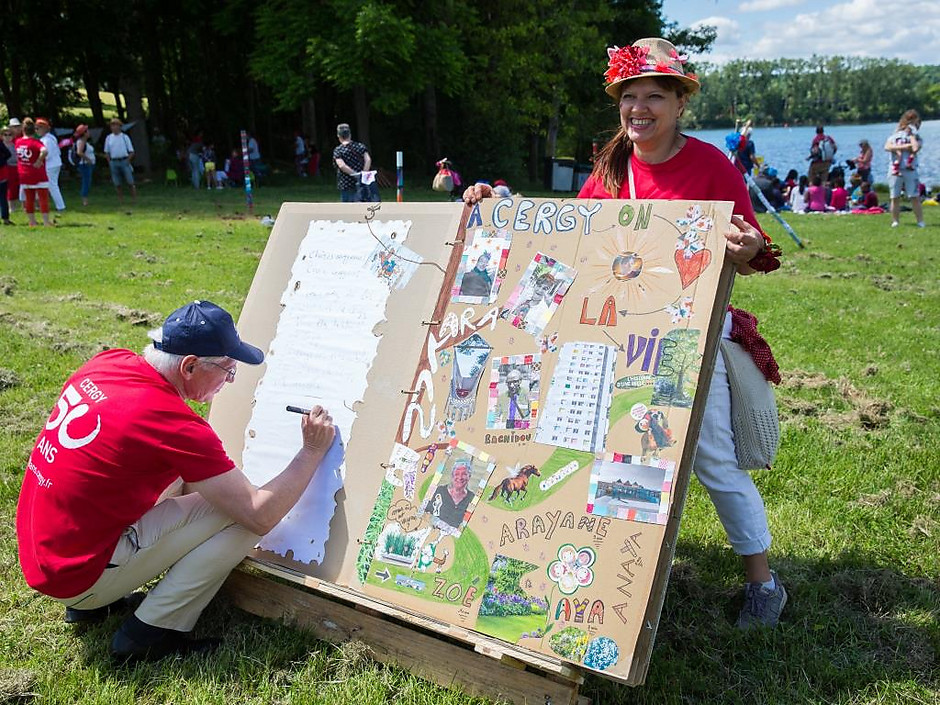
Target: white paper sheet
(321,353)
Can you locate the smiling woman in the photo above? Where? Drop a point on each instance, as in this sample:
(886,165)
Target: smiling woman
(649,158)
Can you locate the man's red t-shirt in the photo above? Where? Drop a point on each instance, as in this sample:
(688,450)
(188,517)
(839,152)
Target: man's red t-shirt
(699,172)
(119,435)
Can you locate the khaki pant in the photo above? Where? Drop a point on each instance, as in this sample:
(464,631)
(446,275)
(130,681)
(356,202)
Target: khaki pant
(820,169)
(186,536)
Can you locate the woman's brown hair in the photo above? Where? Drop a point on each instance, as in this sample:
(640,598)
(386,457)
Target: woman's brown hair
(29,127)
(610,164)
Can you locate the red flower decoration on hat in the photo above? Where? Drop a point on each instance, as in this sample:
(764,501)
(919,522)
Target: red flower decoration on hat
(625,62)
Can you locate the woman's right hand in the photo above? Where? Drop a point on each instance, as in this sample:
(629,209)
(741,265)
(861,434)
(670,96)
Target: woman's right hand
(476,193)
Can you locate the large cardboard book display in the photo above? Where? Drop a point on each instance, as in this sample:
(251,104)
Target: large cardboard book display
(519,387)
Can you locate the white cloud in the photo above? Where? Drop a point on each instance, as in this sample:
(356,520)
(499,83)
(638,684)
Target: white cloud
(762,5)
(866,28)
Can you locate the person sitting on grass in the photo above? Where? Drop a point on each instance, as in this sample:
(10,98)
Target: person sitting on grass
(127,482)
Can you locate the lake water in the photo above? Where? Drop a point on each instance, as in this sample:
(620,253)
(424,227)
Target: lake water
(786,148)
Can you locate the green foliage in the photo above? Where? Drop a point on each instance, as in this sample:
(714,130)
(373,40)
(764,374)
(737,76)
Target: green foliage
(374,529)
(824,89)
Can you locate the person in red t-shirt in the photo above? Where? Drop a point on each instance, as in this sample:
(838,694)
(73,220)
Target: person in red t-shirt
(101,512)
(650,158)
(31,169)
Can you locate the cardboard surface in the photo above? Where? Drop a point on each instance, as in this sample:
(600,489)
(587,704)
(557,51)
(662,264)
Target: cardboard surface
(571,403)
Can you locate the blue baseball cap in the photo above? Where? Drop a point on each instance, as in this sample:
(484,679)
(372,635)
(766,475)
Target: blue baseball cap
(203,329)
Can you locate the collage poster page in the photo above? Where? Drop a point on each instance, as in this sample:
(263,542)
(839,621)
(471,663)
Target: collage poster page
(531,477)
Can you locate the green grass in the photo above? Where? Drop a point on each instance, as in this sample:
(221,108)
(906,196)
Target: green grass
(853,498)
(511,627)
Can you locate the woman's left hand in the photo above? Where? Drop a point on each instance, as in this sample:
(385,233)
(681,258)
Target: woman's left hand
(744,243)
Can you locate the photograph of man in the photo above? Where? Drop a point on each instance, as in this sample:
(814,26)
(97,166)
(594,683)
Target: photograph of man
(517,387)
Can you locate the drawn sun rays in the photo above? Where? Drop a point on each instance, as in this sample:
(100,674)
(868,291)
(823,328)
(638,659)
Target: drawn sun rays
(637,270)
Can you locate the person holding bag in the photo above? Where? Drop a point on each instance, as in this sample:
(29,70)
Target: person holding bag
(650,158)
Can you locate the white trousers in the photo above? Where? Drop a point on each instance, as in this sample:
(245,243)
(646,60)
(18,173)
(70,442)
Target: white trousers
(732,490)
(53,173)
(188,538)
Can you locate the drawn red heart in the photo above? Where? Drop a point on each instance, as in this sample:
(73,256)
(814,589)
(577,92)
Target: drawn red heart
(691,268)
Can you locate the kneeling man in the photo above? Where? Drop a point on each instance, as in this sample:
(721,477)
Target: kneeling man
(101,511)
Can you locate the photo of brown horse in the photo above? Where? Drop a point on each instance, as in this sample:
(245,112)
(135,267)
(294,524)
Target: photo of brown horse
(514,487)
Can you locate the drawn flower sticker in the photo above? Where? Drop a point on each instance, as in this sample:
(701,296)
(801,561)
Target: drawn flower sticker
(573,568)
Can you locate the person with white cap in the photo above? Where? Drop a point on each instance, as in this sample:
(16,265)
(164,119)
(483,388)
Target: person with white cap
(650,158)
(53,160)
(100,511)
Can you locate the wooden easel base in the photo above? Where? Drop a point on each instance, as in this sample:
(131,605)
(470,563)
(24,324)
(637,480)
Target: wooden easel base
(473,668)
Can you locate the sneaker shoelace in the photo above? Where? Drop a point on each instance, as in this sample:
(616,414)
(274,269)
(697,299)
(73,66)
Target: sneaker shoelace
(756,599)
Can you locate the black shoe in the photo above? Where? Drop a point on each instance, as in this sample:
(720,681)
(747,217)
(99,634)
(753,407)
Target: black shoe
(139,641)
(125,604)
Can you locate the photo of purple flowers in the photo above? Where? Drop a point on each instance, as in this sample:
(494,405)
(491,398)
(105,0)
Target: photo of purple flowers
(508,611)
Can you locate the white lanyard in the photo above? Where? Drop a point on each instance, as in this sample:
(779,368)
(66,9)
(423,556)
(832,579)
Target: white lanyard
(630,178)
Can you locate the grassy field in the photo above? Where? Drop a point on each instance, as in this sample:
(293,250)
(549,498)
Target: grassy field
(853,499)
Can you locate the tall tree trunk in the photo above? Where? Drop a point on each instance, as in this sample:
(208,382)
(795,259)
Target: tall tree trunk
(361,106)
(92,89)
(554,121)
(135,113)
(533,157)
(432,138)
(308,119)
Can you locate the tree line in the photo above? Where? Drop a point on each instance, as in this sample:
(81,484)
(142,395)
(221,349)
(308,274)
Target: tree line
(821,89)
(498,89)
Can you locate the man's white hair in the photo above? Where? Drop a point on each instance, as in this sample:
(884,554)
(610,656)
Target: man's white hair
(165,362)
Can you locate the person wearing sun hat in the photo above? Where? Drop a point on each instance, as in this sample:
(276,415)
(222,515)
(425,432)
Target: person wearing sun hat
(101,510)
(650,158)
(85,151)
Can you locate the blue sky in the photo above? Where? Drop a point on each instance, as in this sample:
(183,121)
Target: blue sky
(771,29)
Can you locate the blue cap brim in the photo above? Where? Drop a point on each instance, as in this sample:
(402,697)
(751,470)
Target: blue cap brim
(248,354)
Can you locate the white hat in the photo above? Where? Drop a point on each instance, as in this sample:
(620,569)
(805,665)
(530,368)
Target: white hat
(14,122)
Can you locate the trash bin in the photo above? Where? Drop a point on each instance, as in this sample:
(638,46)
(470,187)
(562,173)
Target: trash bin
(581,173)
(563,174)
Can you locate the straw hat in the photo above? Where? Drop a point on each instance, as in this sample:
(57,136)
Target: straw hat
(646,58)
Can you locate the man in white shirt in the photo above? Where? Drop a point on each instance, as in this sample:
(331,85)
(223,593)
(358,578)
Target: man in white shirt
(119,151)
(53,160)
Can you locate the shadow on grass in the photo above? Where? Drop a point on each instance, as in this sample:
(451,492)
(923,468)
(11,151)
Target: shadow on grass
(847,626)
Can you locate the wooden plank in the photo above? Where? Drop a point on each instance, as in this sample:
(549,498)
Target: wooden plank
(426,655)
(483,644)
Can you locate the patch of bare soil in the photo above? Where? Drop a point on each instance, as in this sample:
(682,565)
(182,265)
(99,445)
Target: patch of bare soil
(863,411)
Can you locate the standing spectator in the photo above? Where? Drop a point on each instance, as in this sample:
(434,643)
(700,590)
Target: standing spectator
(53,160)
(31,166)
(235,169)
(254,151)
(863,161)
(209,164)
(905,142)
(300,153)
(12,193)
(821,152)
(746,149)
(194,156)
(313,161)
(119,151)
(7,149)
(351,159)
(85,151)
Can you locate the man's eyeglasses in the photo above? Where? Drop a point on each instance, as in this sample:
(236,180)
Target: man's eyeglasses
(230,373)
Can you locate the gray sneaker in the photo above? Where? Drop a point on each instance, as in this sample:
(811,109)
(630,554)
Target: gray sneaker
(762,607)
